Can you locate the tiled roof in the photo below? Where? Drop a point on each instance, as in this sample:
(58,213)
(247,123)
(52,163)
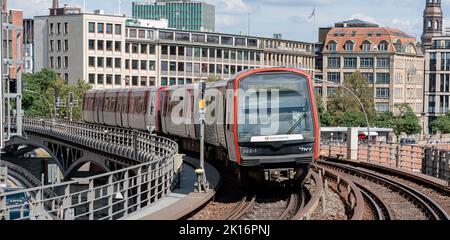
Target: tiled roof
(375,35)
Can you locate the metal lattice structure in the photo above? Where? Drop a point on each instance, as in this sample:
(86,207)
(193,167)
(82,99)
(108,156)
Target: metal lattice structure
(149,177)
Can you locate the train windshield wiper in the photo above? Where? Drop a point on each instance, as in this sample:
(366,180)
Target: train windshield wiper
(297,124)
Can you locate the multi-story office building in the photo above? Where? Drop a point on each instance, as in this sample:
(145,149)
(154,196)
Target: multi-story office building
(390,59)
(112,51)
(437,78)
(28,31)
(14,18)
(182,14)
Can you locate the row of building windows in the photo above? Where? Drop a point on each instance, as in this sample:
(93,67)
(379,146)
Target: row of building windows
(444,83)
(444,104)
(109,79)
(201,68)
(117,63)
(349,46)
(335,62)
(59,46)
(381,93)
(211,39)
(58,28)
(210,52)
(107,28)
(175,81)
(60,62)
(381,78)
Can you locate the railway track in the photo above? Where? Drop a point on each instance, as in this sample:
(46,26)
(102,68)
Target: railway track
(390,198)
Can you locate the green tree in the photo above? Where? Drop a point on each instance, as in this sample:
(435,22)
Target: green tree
(385,120)
(343,105)
(326,119)
(441,124)
(406,121)
(39,94)
(213,79)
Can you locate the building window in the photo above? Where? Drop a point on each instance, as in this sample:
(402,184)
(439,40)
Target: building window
(109,62)
(100,27)
(432,66)
(239,41)
(384,46)
(152,49)
(366,46)
(59,46)
(432,83)
(118,29)
(52,45)
(59,28)
(182,37)
(141,34)
(432,104)
(58,63)
(66,62)
(118,63)
(118,46)
(213,39)
(92,27)
(66,28)
(118,80)
(227,40)
(383,63)
(143,48)
(332,46)
(100,78)
(212,53)
(135,64)
(318,90)
(383,78)
(163,81)
(366,62)
(164,50)
(368,76)
(66,45)
(133,33)
(144,81)
(350,62)
(348,46)
(51,31)
(152,66)
(166,35)
(382,107)
(198,38)
(91,61)
(445,83)
(181,67)
(330,91)
(109,79)
(252,42)
(100,61)
(109,29)
(180,81)
(382,93)
(173,81)
(92,78)
(444,103)
(127,48)
(134,80)
(173,50)
(172,66)
(334,63)
(334,77)
(164,66)
(143,65)
(100,45)
(109,46)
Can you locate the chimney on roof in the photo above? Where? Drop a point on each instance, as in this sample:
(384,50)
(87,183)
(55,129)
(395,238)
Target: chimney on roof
(55,4)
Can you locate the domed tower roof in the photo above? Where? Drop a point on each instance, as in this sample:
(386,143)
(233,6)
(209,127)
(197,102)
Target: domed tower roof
(432,21)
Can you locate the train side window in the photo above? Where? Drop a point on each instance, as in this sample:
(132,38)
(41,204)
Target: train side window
(152,104)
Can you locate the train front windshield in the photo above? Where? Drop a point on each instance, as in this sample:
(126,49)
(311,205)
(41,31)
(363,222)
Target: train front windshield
(274,107)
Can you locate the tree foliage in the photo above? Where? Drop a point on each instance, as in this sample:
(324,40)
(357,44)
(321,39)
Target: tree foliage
(39,94)
(326,119)
(406,120)
(441,124)
(345,108)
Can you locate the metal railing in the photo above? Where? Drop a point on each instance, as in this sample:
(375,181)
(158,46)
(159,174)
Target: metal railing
(107,196)
(427,160)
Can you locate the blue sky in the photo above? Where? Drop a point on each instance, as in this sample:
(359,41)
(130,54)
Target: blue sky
(288,17)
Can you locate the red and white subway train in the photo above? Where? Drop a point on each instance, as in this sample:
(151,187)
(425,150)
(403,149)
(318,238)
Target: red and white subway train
(263,123)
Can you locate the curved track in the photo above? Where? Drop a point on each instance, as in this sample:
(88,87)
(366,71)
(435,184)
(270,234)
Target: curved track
(427,206)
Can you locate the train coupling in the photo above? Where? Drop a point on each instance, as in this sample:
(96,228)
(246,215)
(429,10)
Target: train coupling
(279,175)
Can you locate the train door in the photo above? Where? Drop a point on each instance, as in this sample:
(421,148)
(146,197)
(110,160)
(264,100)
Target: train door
(152,116)
(230,117)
